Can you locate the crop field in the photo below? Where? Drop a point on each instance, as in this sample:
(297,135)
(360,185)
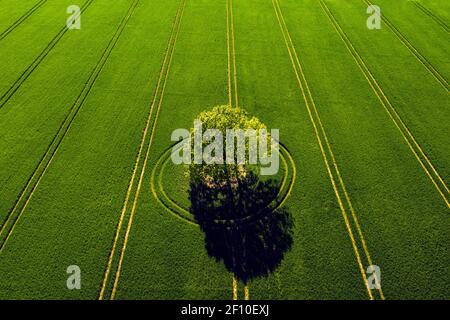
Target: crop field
(87,114)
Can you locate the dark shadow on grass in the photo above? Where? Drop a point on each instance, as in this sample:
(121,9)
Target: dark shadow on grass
(240,227)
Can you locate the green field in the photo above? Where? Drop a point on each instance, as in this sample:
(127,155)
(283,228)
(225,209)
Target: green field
(86,118)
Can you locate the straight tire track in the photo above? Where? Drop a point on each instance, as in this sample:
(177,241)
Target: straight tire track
(161,85)
(432,15)
(409,138)
(32,184)
(230,29)
(29,70)
(233,54)
(437,75)
(21,19)
(231,51)
(234,282)
(230,99)
(232,88)
(337,183)
(234,287)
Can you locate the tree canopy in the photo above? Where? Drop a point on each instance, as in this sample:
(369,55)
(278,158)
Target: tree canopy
(223,118)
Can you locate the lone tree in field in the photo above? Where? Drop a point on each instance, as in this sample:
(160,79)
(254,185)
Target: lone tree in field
(230,200)
(231,167)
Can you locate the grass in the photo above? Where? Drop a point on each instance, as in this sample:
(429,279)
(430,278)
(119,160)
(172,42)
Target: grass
(360,192)
(369,145)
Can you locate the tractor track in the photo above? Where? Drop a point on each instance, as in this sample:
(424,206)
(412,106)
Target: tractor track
(36,62)
(429,13)
(24,198)
(333,171)
(416,53)
(409,138)
(139,165)
(21,19)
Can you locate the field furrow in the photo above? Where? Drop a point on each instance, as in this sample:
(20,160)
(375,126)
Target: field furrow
(416,149)
(441,9)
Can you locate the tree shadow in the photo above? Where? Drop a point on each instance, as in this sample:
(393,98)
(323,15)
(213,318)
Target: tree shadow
(241,229)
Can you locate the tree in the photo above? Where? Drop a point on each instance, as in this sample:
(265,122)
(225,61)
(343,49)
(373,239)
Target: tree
(231,203)
(223,119)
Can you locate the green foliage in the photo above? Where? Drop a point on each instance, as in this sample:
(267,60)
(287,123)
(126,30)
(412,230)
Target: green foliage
(223,118)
